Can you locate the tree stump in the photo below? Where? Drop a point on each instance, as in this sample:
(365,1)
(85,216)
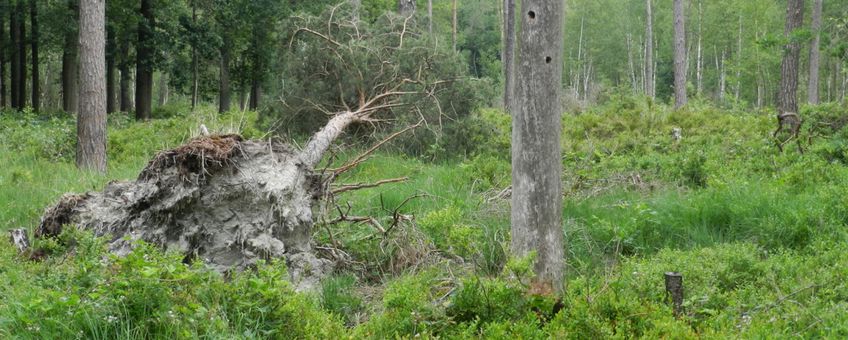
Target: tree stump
(674,291)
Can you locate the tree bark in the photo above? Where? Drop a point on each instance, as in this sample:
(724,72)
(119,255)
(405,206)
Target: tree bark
(111,99)
(36,82)
(430,16)
(15,67)
(680,98)
(22,55)
(813,87)
(738,62)
(164,91)
(649,51)
(144,63)
(3,47)
(194,61)
(699,62)
(255,92)
(125,79)
(509,53)
(91,121)
(70,64)
(788,100)
(406,7)
(536,152)
(225,95)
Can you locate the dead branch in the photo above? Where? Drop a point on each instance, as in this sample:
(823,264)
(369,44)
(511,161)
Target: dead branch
(364,156)
(352,187)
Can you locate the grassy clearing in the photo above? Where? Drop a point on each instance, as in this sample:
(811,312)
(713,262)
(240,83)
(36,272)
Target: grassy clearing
(759,237)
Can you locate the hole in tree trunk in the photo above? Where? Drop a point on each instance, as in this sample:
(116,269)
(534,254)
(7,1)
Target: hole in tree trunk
(547,60)
(531,14)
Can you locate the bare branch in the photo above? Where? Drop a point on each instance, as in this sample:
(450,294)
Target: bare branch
(352,187)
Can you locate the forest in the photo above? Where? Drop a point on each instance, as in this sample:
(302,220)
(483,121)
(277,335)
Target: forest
(325,169)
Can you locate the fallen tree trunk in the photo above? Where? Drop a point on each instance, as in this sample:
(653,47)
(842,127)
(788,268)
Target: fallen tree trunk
(219,199)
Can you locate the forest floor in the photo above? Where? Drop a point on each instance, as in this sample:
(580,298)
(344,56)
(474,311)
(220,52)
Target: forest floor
(759,237)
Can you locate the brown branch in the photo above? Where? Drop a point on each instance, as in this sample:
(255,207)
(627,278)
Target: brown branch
(352,187)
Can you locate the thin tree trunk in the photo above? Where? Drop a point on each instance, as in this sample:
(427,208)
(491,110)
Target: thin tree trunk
(164,91)
(144,63)
(454,25)
(699,67)
(509,53)
(649,51)
(91,121)
(430,16)
(70,64)
(111,99)
(536,152)
(3,87)
(722,87)
(36,90)
(125,79)
(224,95)
(22,55)
(630,64)
(813,87)
(788,98)
(738,62)
(194,61)
(580,61)
(255,93)
(680,98)
(14,36)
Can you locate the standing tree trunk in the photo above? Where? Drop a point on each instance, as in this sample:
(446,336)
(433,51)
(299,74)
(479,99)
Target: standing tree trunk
(163,89)
(813,89)
(788,98)
(22,55)
(111,104)
(225,95)
(36,82)
(70,71)
(649,51)
(738,62)
(430,16)
(3,48)
(125,79)
(509,52)
(144,63)
(14,36)
(194,66)
(91,121)
(406,7)
(679,55)
(454,25)
(536,151)
(699,62)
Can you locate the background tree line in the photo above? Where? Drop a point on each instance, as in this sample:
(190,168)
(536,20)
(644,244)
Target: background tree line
(233,52)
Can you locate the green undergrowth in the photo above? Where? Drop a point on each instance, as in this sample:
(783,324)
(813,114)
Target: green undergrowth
(758,235)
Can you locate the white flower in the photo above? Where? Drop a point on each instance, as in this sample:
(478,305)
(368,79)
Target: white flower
(111,319)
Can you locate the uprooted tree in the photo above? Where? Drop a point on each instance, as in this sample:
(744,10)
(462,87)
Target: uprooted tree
(231,202)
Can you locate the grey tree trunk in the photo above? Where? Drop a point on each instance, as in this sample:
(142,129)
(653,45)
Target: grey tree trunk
(430,16)
(649,51)
(34,37)
(406,7)
(788,98)
(536,152)
(22,55)
(91,120)
(813,87)
(680,98)
(163,89)
(699,62)
(15,66)
(509,53)
(738,62)
(111,98)
(225,95)
(194,61)
(144,63)
(3,43)
(125,79)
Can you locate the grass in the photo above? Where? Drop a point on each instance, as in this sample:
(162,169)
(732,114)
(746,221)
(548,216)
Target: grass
(759,237)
